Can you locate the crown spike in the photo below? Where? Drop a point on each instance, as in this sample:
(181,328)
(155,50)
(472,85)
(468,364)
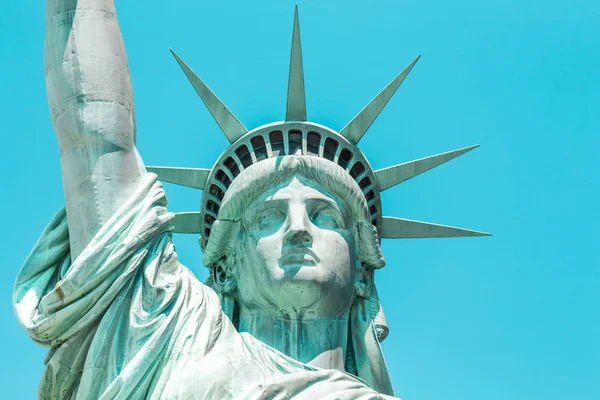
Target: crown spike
(296,99)
(359,125)
(190,177)
(187,222)
(392,176)
(398,228)
(229,124)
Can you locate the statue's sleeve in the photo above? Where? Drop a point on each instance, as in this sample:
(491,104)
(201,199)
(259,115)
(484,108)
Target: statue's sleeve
(55,298)
(91,104)
(124,316)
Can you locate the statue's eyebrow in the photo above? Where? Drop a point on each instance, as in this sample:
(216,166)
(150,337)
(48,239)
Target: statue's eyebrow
(269,202)
(318,199)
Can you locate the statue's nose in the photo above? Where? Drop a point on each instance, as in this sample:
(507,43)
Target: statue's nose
(299,230)
(299,238)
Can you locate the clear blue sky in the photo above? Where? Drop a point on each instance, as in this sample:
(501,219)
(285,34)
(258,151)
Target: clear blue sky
(514,316)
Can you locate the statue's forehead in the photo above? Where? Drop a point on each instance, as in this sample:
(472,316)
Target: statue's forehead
(298,188)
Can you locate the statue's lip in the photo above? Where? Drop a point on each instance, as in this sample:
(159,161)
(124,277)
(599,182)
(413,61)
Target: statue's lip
(298,256)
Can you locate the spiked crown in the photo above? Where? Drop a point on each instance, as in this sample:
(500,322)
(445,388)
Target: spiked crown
(297,136)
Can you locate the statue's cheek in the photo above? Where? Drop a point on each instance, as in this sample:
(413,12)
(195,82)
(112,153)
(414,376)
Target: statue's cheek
(271,245)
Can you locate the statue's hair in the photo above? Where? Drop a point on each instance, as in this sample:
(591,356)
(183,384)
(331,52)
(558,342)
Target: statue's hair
(258,178)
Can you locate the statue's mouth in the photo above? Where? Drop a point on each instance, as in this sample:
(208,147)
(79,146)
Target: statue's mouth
(298,256)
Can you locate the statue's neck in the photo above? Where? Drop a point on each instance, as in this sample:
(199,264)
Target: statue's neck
(318,342)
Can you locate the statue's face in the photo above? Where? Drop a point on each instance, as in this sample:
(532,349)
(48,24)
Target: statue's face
(298,253)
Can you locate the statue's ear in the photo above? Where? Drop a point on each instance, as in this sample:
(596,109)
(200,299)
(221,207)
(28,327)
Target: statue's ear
(363,285)
(224,280)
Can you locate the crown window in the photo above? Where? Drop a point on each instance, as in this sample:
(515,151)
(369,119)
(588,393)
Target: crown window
(244,155)
(357,169)
(223,178)
(276,139)
(364,182)
(217,192)
(312,143)
(231,165)
(345,156)
(212,206)
(295,140)
(330,149)
(260,150)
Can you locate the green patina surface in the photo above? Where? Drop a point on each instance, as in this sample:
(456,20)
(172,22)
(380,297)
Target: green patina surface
(290,226)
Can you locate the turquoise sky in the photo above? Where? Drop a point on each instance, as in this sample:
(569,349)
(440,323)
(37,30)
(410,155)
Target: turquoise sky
(514,316)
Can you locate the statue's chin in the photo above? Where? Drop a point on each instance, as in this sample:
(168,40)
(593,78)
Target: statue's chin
(307,288)
(298,286)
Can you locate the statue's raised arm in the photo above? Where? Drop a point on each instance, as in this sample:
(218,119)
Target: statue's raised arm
(91,102)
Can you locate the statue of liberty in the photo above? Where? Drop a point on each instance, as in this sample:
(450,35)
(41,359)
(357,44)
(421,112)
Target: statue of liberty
(290,225)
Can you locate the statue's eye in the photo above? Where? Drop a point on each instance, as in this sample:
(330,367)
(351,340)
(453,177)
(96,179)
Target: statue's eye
(327,218)
(270,219)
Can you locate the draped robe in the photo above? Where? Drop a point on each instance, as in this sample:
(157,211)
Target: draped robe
(126,320)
